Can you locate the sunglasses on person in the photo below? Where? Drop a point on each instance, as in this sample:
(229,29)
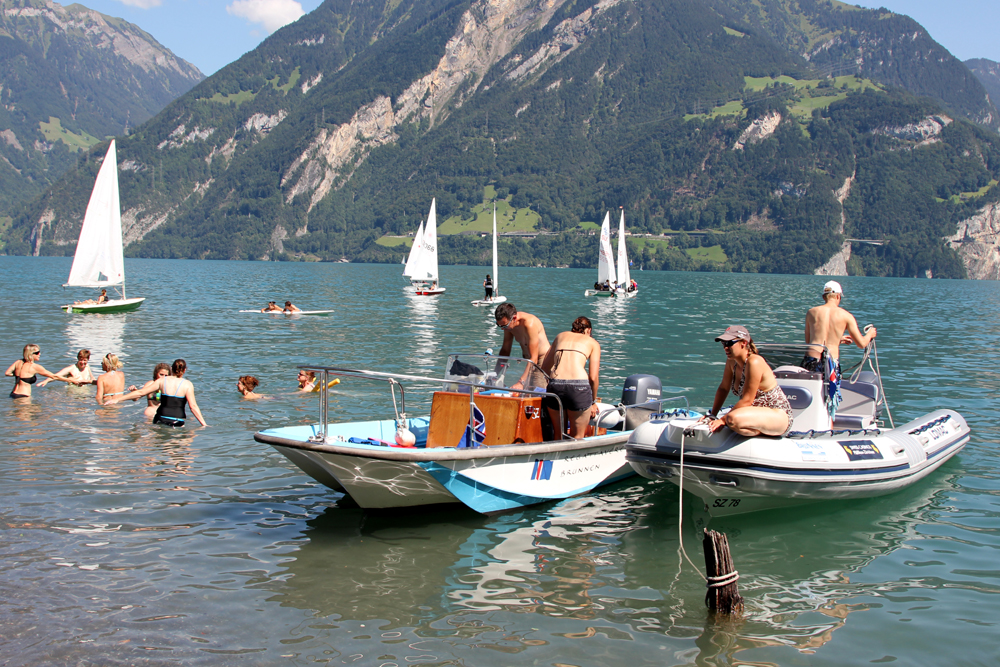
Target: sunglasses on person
(729,343)
(38,352)
(504,326)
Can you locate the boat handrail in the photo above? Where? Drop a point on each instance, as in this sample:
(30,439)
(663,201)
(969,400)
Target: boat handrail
(393,380)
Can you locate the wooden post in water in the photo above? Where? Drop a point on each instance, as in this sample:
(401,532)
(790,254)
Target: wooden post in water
(723,595)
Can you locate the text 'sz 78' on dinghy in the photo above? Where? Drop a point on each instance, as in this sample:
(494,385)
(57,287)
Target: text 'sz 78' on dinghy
(482,444)
(852,456)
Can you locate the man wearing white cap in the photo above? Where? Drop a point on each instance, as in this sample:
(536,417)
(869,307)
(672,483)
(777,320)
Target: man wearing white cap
(825,325)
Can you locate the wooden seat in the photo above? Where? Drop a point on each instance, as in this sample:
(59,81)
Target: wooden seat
(510,419)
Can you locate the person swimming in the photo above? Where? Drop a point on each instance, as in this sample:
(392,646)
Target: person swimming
(246,385)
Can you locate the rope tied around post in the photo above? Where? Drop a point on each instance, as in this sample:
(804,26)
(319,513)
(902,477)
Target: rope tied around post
(723,595)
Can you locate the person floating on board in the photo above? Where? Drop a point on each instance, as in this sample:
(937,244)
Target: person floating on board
(290,308)
(488,286)
(271,307)
(79,371)
(825,325)
(571,381)
(529,332)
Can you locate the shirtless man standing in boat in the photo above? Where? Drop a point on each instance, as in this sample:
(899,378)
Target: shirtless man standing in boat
(529,332)
(826,324)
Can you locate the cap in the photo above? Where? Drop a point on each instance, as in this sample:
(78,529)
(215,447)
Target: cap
(735,332)
(833,287)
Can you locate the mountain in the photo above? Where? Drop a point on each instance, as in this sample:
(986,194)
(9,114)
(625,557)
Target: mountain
(988,73)
(69,77)
(696,117)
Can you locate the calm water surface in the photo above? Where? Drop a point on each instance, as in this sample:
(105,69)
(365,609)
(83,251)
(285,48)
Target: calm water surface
(124,543)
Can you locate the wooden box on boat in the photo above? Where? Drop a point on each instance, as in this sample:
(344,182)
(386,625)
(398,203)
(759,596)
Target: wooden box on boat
(509,419)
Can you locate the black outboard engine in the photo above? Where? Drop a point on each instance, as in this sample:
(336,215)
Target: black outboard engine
(641,388)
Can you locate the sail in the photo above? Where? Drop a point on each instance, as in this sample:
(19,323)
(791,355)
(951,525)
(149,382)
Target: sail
(624,275)
(496,276)
(99,260)
(425,264)
(605,260)
(418,239)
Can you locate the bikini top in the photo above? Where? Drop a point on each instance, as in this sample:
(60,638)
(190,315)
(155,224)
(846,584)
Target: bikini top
(28,380)
(559,358)
(743,379)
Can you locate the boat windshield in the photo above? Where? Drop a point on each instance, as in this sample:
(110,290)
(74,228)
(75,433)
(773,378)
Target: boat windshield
(486,369)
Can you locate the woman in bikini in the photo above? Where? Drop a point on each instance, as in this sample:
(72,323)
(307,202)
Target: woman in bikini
(566,365)
(112,383)
(762,408)
(307,380)
(176,393)
(27,369)
(161,370)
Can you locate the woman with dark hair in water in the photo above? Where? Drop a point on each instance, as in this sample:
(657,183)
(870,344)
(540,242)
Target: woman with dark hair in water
(246,384)
(27,369)
(176,393)
(161,370)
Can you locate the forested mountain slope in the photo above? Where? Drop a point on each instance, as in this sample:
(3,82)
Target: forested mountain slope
(340,128)
(69,77)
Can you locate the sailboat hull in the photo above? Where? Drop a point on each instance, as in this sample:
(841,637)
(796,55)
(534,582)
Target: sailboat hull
(489,302)
(427,291)
(112,306)
(595,292)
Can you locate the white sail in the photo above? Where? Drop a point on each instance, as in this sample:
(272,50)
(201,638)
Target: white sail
(496,272)
(99,260)
(418,239)
(624,275)
(606,260)
(425,264)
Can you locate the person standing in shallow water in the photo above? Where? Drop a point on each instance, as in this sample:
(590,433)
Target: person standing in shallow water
(27,369)
(176,394)
(79,371)
(112,383)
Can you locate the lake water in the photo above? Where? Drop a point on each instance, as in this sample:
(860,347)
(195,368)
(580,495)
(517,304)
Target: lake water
(124,543)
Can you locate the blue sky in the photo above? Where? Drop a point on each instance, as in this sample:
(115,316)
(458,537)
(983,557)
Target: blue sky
(213,33)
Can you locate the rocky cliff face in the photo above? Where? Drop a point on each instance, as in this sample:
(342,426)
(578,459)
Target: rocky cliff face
(977,242)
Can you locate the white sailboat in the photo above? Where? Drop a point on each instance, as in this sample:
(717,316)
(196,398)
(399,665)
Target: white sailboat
(497,297)
(605,262)
(424,271)
(418,240)
(99,260)
(624,275)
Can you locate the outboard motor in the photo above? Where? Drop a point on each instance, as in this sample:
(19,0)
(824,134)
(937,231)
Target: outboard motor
(641,388)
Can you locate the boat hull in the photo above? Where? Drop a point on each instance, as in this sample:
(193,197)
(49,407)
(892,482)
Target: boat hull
(486,479)
(429,292)
(111,306)
(598,292)
(489,302)
(736,475)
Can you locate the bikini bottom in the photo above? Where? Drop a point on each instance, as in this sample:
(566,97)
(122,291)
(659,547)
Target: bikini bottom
(13,395)
(167,421)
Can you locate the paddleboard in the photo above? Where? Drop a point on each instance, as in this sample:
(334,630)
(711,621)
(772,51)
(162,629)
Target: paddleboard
(278,312)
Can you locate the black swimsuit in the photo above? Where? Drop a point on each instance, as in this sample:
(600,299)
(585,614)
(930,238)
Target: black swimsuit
(18,378)
(170,412)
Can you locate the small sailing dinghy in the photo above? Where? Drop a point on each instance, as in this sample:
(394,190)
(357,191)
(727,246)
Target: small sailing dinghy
(497,297)
(819,460)
(418,240)
(605,263)
(423,272)
(99,260)
(625,288)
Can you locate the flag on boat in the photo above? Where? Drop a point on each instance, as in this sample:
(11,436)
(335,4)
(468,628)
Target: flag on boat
(474,435)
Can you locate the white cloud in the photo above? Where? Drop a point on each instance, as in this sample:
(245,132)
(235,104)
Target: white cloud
(142,4)
(272,14)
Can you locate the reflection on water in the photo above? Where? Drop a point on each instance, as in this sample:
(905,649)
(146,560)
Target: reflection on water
(128,543)
(101,333)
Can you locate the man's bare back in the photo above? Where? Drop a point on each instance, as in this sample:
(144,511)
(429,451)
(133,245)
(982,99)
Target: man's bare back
(826,324)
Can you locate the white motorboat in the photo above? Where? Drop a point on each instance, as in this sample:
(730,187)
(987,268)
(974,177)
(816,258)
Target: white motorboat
(497,297)
(422,267)
(99,260)
(481,445)
(852,456)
